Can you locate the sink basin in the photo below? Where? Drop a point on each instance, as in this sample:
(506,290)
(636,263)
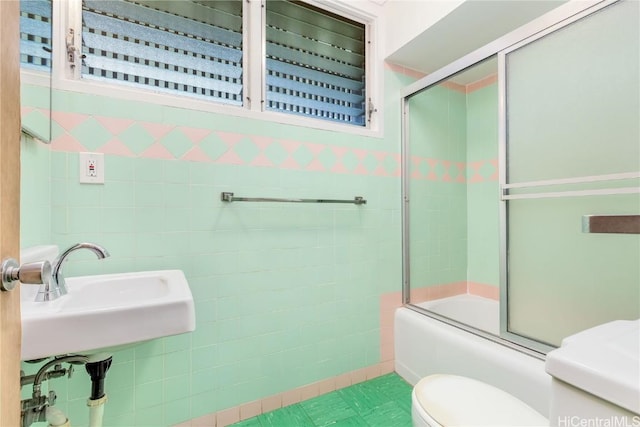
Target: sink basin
(106,312)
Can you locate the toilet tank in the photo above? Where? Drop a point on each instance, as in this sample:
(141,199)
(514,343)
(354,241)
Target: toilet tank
(596,376)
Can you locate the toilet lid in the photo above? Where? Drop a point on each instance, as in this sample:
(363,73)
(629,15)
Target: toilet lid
(452,400)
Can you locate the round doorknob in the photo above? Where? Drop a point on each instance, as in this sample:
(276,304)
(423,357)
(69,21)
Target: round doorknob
(32,273)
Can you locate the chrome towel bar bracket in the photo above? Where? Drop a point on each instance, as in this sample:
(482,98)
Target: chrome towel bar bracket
(229,197)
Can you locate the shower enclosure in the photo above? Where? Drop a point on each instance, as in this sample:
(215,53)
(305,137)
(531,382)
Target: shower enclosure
(511,155)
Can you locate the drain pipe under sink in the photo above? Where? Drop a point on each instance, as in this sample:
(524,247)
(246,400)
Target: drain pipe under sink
(97,371)
(56,418)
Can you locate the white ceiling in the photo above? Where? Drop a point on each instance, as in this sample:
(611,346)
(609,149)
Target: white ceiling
(468,27)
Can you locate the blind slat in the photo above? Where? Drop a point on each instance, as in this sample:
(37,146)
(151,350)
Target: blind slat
(35,27)
(219,13)
(157,18)
(314,75)
(316,91)
(144,47)
(118,26)
(34,49)
(306,16)
(107,24)
(35,34)
(297,42)
(308,59)
(315,32)
(36,7)
(134,50)
(227,101)
(289,103)
(144,71)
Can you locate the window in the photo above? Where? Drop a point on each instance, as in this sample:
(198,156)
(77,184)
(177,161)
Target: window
(315,63)
(35,34)
(285,60)
(189,47)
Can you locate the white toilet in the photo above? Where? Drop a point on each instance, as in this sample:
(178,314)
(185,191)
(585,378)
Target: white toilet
(451,400)
(596,376)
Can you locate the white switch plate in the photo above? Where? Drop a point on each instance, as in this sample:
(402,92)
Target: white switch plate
(91,168)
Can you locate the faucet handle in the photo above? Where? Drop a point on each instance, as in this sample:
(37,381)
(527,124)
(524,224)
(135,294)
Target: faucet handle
(32,273)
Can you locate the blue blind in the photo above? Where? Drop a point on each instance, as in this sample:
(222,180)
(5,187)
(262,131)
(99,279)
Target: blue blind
(188,47)
(35,34)
(315,63)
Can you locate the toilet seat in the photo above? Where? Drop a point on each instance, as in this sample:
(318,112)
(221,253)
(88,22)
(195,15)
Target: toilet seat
(419,416)
(451,400)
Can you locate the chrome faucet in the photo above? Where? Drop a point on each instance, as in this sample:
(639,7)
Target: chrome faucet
(57,286)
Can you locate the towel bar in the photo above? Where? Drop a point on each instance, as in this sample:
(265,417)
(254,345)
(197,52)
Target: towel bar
(229,197)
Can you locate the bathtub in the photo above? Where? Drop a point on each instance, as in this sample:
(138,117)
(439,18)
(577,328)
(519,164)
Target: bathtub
(482,313)
(424,345)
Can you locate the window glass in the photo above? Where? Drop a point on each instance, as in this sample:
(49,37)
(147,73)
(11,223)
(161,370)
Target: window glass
(188,47)
(35,34)
(315,63)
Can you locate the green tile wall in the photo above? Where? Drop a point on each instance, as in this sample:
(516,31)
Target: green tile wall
(438,209)
(35,193)
(483,221)
(454,217)
(285,295)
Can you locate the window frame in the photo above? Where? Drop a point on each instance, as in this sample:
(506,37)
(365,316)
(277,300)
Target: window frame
(290,14)
(68,14)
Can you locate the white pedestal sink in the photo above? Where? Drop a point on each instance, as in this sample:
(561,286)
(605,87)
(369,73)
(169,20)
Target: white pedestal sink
(106,311)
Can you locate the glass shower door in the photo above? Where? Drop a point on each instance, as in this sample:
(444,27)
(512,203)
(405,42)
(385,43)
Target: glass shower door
(450,190)
(571,149)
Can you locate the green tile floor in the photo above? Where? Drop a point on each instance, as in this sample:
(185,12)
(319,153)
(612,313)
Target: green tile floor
(381,402)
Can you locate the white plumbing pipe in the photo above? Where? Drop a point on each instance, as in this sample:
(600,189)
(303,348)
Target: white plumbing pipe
(56,418)
(96,410)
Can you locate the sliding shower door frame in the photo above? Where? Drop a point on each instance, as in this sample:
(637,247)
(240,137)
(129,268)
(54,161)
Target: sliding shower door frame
(552,21)
(505,185)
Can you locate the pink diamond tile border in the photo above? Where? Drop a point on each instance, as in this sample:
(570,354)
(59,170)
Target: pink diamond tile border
(230,156)
(380,170)
(262,142)
(68,121)
(290,147)
(113,125)
(157,130)
(66,142)
(339,166)
(195,135)
(454,172)
(196,155)
(423,168)
(157,151)
(315,164)
(116,147)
